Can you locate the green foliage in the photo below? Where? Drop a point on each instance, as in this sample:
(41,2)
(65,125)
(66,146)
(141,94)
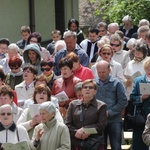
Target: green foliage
(115,10)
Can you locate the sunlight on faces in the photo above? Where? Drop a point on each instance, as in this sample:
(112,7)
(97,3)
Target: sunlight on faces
(32,55)
(70,43)
(106,54)
(46,116)
(25,35)
(138,55)
(56,37)
(66,72)
(45,72)
(93,37)
(5,99)
(88,91)
(116,48)
(127,25)
(102,31)
(3,48)
(6,116)
(39,83)
(41,97)
(12,53)
(28,75)
(33,40)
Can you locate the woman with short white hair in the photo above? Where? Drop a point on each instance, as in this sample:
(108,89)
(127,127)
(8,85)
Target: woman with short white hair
(50,134)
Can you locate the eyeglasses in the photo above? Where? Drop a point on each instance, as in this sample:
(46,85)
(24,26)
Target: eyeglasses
(8,114)
(106,53)
(46,69)
(14,68)
(89,87)
(116,45)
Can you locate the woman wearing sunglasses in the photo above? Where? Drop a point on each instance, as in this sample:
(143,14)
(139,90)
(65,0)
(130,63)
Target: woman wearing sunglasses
(106,53)
(47,70)
(14,77)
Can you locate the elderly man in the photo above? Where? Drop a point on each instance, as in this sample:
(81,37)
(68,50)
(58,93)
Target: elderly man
(70,40)
(111,91)
(112,28)
(9,132)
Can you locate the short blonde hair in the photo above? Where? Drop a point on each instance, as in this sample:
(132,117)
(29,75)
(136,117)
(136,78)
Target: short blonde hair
(146,63)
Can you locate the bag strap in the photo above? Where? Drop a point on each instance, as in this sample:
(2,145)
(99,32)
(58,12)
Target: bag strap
(17,134)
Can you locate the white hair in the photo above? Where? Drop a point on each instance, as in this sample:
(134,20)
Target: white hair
(114,24)
(49,107)
(5,106)
(60,43)
(127,18)
(131,42)
(13,46)
(143,22)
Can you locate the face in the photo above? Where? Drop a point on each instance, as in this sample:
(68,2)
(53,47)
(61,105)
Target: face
(33,40)
(106,54)
(6,116)
(142,35)
(66,72)
(116,46)
(147,71)
(5,99)
(88,91)
(41,97)
(103,72)
(47,70)
(112,30)
(3,48)
(56,37)
(32,55)
(45,116)
(102,31)
(127,25)
(12,53)
(73,27)
(79,94)
(70,43)
(138,55)
(28,75)
(25,35)
(76,65)
(15,69)
(93,37)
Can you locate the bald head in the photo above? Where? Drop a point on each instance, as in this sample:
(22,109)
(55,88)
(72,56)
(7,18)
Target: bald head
(103,70)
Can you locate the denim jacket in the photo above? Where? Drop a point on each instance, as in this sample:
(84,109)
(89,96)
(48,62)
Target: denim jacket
(112,92)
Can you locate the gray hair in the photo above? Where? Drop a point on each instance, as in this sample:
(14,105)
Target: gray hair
(69,34)
(49,107)
(143,22)
(131,42)
(142,29)
(113,25)
(6,106)
(13,46)
(60,43)
(127,18)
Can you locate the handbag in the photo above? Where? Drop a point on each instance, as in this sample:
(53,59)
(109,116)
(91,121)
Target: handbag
(136,120)
(93,142)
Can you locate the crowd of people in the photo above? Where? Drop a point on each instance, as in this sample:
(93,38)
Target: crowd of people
(73,94)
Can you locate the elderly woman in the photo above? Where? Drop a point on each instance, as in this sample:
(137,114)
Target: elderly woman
(9,132)
(142,101)
(86,113)
(50,134)
(65,83)
(41,94)
(15,76)
(106,53)
(13,50)
(6,97)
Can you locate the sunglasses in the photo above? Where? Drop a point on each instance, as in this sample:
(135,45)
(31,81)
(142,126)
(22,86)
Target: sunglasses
(14,68)
(106,53)
(46,69)
(8,114)
(89,87)
(116,45)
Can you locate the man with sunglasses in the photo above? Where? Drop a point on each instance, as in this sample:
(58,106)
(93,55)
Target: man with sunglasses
(9,132)
(111,91)
(120,55)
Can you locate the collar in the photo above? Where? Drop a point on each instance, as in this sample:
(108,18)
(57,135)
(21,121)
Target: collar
(50,76)
(79,69)
(11,128)
(118,52)
(49,124)
(17,74)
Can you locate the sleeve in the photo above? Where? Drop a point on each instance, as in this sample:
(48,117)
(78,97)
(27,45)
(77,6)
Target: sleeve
(23,120)
(121,100)
(146,132)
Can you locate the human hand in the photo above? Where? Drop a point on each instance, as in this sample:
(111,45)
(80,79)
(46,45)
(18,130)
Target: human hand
(128,83)
(84,136)
(39,134)
(35,120)
(79,133)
